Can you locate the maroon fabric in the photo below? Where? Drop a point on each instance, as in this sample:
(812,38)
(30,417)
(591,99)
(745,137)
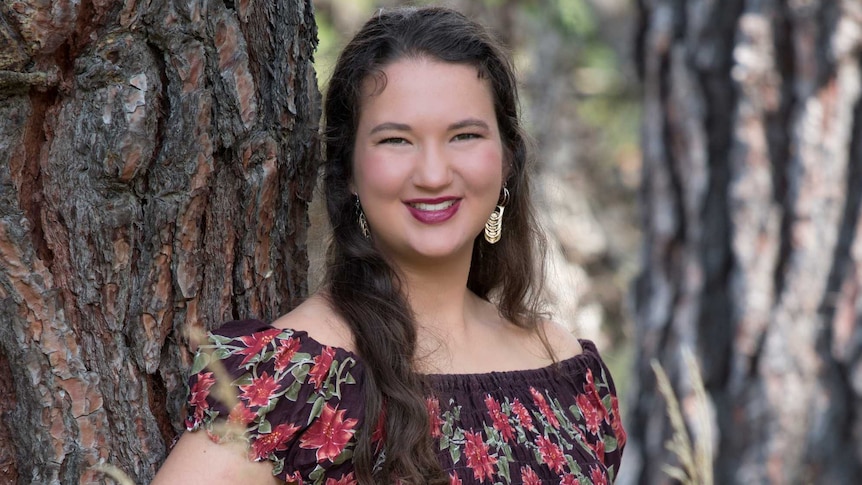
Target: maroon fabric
(299,404)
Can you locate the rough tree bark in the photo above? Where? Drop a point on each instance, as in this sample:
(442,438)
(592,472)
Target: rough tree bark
(752,188)
(156,163)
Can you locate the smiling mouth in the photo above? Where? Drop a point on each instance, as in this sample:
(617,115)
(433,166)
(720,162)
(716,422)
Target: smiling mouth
(433,207)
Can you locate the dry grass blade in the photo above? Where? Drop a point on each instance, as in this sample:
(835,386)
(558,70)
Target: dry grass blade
(695,459)
(703,448)
(118,475)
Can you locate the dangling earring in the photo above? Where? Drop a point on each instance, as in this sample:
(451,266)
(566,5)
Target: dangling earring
(363,222)
(494,226)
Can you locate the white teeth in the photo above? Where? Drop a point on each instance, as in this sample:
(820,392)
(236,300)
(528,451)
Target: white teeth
(433,207)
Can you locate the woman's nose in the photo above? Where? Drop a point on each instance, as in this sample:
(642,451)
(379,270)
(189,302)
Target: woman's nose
(434,169)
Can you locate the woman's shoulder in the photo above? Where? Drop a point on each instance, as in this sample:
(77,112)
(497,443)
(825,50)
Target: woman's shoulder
(562,340)
(312,322)
(316,318)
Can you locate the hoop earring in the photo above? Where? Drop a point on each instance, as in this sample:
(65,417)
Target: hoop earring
(363,222)
(494,226)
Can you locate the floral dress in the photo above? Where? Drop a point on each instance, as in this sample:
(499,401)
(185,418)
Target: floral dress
(299,404)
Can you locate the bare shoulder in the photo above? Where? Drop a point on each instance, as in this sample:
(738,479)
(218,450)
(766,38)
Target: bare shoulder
(318,319)
(562,340)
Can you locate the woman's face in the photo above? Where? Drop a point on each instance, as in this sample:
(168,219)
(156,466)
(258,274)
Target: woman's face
(428,160)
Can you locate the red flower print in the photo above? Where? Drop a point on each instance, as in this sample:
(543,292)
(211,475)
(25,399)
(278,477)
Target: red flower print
(329,434)
(454,479)
(593,393)
(552,454)
(501,422)
(199,392)
(478,458)
(255,342)
(592,416)
(590,387)
(617,422)
(540,401)
(599,448)
(286,350)
(240,414)
(344,480)
(598,476)
(260,391)
(320,370)
(433,407)
(529,477)
(569,480)
(523,415)
(294,478)
(272,442)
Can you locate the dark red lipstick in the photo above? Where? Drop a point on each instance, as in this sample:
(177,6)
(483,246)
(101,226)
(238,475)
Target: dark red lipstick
(433,211)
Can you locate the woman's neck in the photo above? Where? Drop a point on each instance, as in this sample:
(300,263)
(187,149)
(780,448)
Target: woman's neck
(438,295)
(450,318)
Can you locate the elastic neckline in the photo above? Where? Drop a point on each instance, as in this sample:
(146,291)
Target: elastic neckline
(588,354)
(537,377)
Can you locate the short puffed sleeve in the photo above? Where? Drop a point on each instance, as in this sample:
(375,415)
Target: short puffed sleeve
(293,400)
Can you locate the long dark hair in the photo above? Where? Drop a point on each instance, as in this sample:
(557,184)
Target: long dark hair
(363,288)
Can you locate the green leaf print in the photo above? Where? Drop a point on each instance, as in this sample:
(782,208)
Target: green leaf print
(316,475)
(303,357)
(243,380)
(503,468)
(221,354)
(219,339)
(201,361)
(300,372)
(610,442)
(316,408)
(278,466)
(345,455)
(292,392)
(455,453)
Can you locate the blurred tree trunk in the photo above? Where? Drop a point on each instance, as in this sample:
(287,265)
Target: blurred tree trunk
(752,140)
(156,163)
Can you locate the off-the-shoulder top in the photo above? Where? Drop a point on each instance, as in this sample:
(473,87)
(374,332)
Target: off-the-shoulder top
(300,403)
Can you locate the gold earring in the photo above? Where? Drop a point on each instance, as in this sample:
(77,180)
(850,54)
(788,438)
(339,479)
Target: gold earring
(494,226)
(363,222)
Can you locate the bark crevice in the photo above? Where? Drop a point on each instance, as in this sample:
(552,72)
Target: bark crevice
(8,460)
(27,173)
(779,138)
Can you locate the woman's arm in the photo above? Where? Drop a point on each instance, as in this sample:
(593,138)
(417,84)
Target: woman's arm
(197,460)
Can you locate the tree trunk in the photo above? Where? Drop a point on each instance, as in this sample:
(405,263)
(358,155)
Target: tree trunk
(752,141)
(156,163)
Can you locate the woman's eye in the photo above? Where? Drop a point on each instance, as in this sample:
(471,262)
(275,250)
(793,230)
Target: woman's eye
(393,141)
(466,136)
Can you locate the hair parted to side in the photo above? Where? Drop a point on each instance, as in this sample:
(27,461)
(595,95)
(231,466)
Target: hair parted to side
(364,288)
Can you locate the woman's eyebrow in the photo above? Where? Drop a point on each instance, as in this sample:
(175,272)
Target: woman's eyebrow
(389,126)
(469,122)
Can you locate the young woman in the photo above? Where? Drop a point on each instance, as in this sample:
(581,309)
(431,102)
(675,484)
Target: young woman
(425,357)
